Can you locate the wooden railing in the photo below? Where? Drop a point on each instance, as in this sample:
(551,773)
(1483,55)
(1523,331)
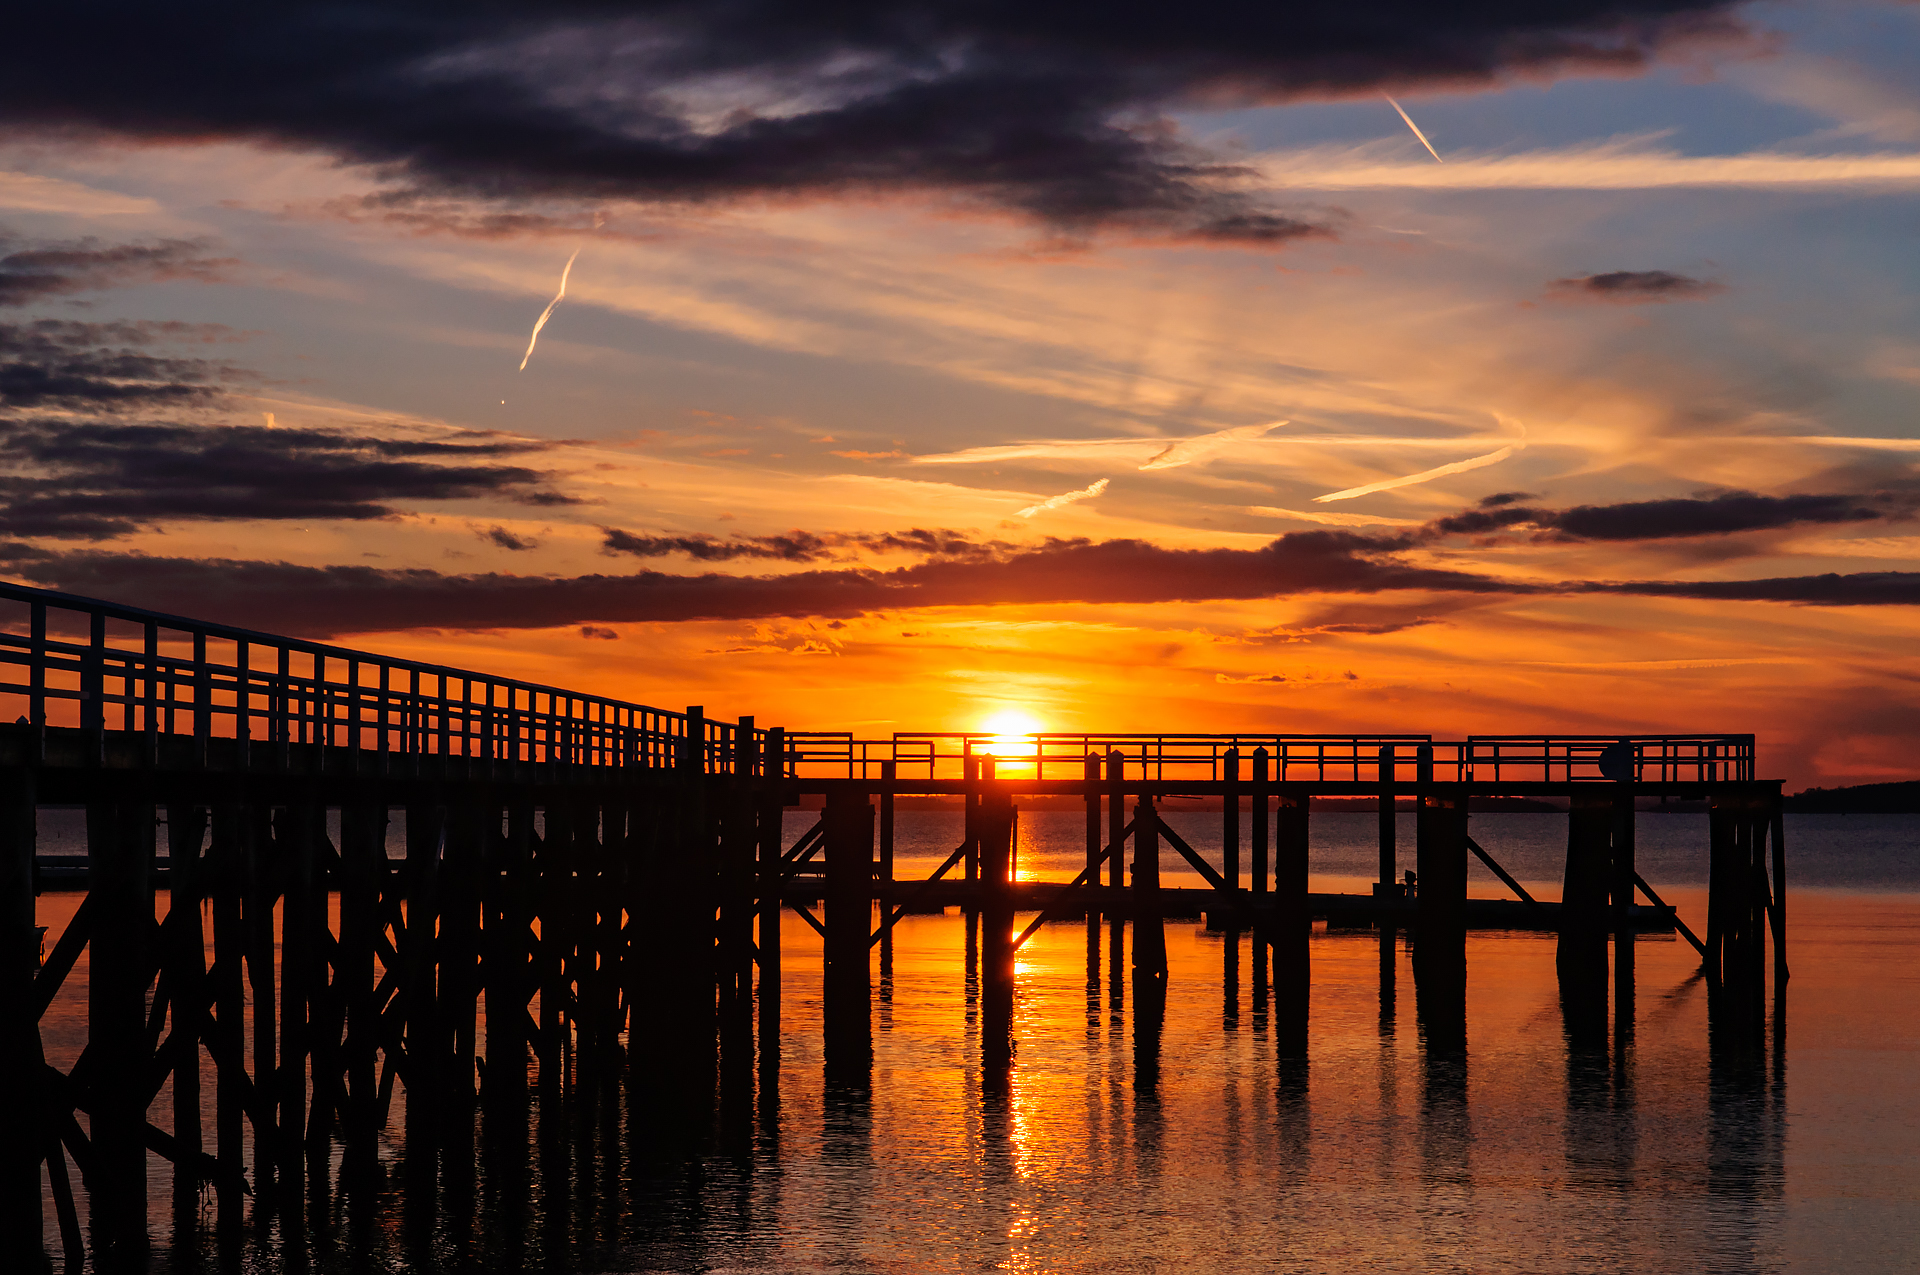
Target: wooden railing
(78,662)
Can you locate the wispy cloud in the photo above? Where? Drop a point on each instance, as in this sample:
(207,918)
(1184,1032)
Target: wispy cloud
(1425,475)
(1188,450)
(1065,498)
(547,313)
(1617,164)
(1332,520)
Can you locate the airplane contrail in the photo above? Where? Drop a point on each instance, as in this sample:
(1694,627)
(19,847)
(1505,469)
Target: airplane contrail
(1185,451)
(548,312)
(1415,127)
(1332,520)
(1065,498)
(1425,475)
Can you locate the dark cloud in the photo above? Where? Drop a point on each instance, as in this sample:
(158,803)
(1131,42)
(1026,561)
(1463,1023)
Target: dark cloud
(335,600)
(1633,287)
(42,269)
(1864,588)
(94,480)
(320,601)
(1720,515)
(107,367)
(1041,106)
(802,546)
(505,539)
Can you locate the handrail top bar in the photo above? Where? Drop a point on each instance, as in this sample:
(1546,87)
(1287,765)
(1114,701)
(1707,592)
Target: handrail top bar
(114,610)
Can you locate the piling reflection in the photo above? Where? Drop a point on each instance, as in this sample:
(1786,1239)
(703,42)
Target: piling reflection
(1148,1108)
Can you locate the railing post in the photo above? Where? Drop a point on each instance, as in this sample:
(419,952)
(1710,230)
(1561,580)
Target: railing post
(1230,827)
(37,675)
(93,682)
(202,699)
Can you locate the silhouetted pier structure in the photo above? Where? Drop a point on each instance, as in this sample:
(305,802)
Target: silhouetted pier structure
(588,893)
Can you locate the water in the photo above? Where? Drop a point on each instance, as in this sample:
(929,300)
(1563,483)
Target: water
(1535,1153)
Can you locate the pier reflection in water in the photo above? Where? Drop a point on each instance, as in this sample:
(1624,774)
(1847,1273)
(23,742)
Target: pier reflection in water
(1124,1138)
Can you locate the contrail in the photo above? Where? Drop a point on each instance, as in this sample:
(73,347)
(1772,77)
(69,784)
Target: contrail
(1065,498)
(1187,450)
(1425,475)
(1415,127)
(548,312)
(1332,520)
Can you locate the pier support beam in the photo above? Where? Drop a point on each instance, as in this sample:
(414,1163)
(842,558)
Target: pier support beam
(120,846)
(1581,955)
(23,1140)
(996,930)
(849,891)
(1292,927)
(1440,930)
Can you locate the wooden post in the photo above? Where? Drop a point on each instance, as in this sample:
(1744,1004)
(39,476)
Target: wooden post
(849,885)
(1149,933)
(299,829)
(426,1046)
(996,927)
(1624,929)
(23,1138)
(889,771)
(1723,880)
(1388,882)
(1779,828)
(120,850)
(771,833)
(363,875)
(1292,927)
(1230,829)
(1440,930)
(1149,947)
(509,982)
(1581,955)
(1090,772)
(262,888)
(1258,792)
(1116,876)
(226,1036)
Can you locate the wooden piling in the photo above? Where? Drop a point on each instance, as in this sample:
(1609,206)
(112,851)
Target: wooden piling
(1230,825)
(1388,882)
(1585,915)
(772,807)
(23,1137)
(1622,924)
(1292,926)
(996,926)
(233,828)
(1257,793)
(1149,930)
(849,891)
(120,852)
(1440,931)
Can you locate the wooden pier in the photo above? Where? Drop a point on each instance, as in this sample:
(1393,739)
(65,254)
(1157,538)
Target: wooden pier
(588,894)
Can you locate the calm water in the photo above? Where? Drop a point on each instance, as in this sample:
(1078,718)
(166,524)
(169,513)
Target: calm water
(1533,1154)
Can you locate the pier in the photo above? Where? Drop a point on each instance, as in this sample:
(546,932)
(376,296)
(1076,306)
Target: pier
(585,893)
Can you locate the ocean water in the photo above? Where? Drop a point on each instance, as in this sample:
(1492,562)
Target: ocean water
(1656,1145)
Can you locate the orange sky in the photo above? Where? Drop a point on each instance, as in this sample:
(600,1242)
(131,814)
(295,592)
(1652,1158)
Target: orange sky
(1611,309)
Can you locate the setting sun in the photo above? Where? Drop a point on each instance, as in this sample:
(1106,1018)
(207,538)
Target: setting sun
(1012,729)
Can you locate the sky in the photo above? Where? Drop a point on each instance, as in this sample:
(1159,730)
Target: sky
(934,362)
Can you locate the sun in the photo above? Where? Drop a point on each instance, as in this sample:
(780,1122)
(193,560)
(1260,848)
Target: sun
(1012,730)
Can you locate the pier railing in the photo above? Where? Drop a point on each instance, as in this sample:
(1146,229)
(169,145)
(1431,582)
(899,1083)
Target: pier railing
(80,662)
(1355,759)
(77,662)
